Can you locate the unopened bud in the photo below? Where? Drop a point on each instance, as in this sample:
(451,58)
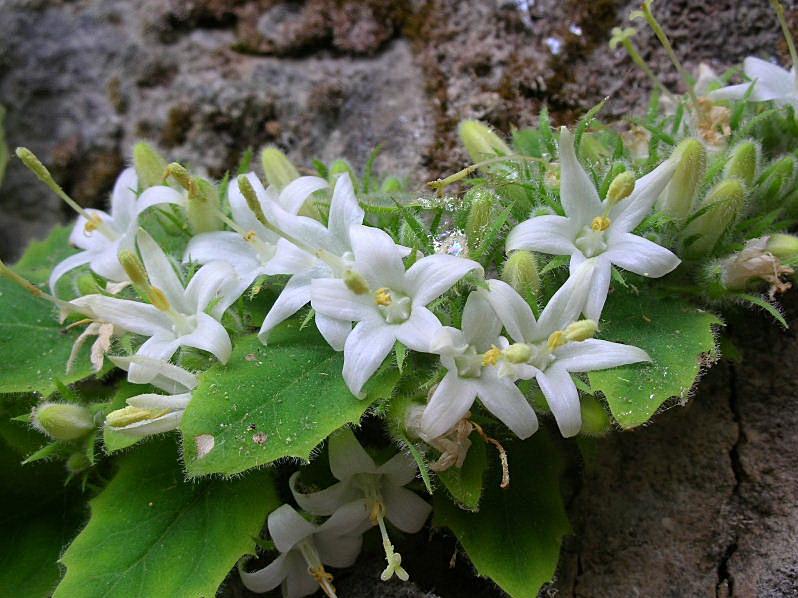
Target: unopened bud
(88,285)
(595,421)
(776,180)
(180,174)
(63,421)
(355,282)
(158,299)
(391,184)
(277,168)
(621,187)
(203,207)
(480,215)
(581,330)
(722,205)
(518,353)
(784,247)
(134,269)
(480,141)
(77,462)
(743,163)
(341,167)
(678,198)
(150,165)
(520,271)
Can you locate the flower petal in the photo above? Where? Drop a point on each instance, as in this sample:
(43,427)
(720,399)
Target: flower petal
(307,230)
(448,405)
(297,192)
(157,348)
(511,309)
(641,256)
(431,276)
(334,331)
(155,401)
(298,582)
(377,257)
(481,326)
(502,398)
(366,347)
(344,209)
(324,502)
(418,331)
(132,316)
(64,266)
(399,470)
(177,380)
(339,551)
(290,259)
(210,336)
(160,194)
(546,234)
(123,198)
(160,272)
(629,212)
(227,246)
(350,519)
(563,399)
(594,354)
(149,427)
(105,262)
(568,302)
(599,289)
(404,508)
(347,455)
(331,297)
(772,81)
(294,296)
(268,578)
(206,283)
(93,240)
(287,527)
(578,194)
(733,92)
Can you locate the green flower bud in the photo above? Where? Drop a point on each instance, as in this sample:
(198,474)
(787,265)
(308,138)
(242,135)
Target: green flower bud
(277,168)
(179,173)
(520,271)
(480,141)
(88,285)
(595,421)
(392,184)
(480,215)
(203,207)
(678,198)
(743,163)
(77,462)
(63,421)
(355,282)
(341,167)
(581,330)
(775,181)
(724,202)
(784,247)
(150,165)
(621,187)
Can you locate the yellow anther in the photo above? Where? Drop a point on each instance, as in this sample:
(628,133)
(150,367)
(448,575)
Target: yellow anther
(383,297)
(131,415)
(600,223)
(491,356)
(556,339)
(581,330)
(92,224)
(377,511)
(250,236)
(158,299)
(320,574)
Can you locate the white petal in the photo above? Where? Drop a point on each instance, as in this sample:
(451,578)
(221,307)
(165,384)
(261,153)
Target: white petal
(502,398)
(156,349)
(289,259)
(159,425)
(514,313)
(311,232)
(546,234)
(298,582)
(641,256)
(417,332)
(448,405)
(105,262)
(578,195)
(594,354)
(64,266)
(431,276)
(156,401)
(324,502)
(733,92)
(210,336)
(231,290)
(297,192)
(161,273)
(400,469)
(132,316)
(350,519)
(287,527)
(630,212)
(405,509)
(377,257)
(334,331)
(331,297)
(347,455)
(293,297)
(563,399)
(448,342)
(160,194)
(204,286)
(568,302)
(178,376)
(366,347)
(599,289)
(268,578)
(227,246)
(772,81)
(339,551)
(123,198)
(344,209)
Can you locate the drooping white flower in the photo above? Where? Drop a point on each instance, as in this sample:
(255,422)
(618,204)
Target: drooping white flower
(252,249)
(471,359)
(382,487)
(390,306)
(101,246)
(179,320)
(598,230)
(769,82)
(553,347)
(152,413)
(305,548)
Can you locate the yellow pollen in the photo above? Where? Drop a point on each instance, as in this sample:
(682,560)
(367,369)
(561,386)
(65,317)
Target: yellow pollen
(383,296)
(600,223)
(556,339)
(491,356)
(250,236)
(92,224)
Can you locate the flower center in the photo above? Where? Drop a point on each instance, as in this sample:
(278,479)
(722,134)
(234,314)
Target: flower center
(395,307)
(265,251)
(469,364)
(591,239)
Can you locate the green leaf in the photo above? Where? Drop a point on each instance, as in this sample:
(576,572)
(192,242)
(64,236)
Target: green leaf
(41,257)
(270,402)
(766,305)
(153,534)
(465,483)
(676,336)
(515,537)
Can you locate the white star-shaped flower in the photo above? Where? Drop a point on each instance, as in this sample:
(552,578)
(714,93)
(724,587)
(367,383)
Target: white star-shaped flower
(769,82)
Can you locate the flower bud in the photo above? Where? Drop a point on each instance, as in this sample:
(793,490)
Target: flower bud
(595,421)
(342,166)
(581,330)
(784,247)
(88,285)
(722,205)
(203,207)
(391,184)
(776,180)
(480,214)
(679,196)
(355,282)
(480,141)
(180,174)
(63,421)
(77,462)
(743,163)
(150,165)
(520,271)
(518,353)
(621,187)
(277,168)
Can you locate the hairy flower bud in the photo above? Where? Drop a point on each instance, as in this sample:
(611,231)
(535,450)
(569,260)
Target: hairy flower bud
(391,184)
(63,421)
(621,187)
(480,141)
(150,165)
(520,271)
(77,462)
(480,214)
(341,167)
(595,421)
(88,285)
(179,173)
(784,247)
(722,205)
(277,168)
(678,198)
(775,181)
(743,163)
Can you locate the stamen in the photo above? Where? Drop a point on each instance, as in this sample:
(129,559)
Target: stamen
(250,236)
(556,339)
(502,455)
(132,415)
(491,356)
(324,579)
(158,299)
(600,223)
(383,297)
(394,558)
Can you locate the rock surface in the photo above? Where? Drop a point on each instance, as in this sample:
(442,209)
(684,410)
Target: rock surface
(704,502)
